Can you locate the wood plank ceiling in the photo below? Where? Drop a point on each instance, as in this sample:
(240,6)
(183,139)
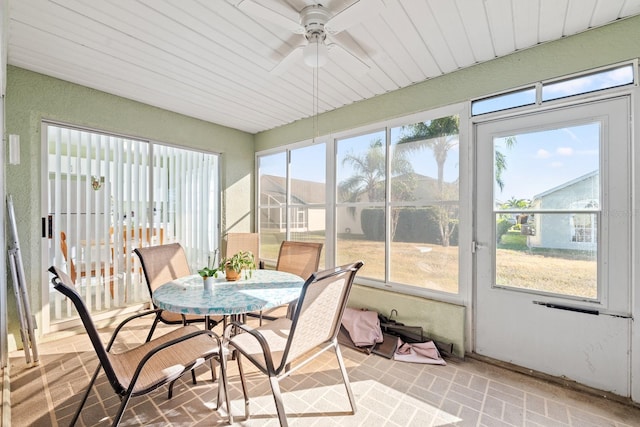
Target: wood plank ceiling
(212,60)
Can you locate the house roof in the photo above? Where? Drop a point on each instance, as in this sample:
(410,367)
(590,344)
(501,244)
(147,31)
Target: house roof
(302,191)
(566,185)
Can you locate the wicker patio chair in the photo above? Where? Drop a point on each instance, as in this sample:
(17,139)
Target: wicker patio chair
(312,330)
(142,369)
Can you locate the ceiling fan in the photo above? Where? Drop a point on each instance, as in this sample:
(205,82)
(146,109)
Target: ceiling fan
(317,24)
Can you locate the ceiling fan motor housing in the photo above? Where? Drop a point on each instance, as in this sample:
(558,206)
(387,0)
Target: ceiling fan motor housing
(313,18)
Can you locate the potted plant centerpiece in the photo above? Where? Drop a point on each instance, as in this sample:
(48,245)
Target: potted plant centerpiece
(236,264)
(208,274)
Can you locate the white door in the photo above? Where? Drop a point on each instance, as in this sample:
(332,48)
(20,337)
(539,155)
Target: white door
(553,243)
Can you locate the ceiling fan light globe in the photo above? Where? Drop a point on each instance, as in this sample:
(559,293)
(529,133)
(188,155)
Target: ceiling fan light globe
(315,54)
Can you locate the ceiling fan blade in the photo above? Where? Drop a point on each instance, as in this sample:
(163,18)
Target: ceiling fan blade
(347,60)
(284,17)
(352,15)
(294,57)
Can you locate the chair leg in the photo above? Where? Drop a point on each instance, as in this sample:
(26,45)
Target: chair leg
(123,406)
(345,377)
(213,371)
(86,395)
(277,397)
(170,392)
(243,383)
(223,386)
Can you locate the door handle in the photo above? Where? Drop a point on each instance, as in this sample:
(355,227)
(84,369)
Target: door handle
(475,246)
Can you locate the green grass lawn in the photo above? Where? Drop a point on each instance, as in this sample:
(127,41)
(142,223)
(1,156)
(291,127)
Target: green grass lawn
(436,267)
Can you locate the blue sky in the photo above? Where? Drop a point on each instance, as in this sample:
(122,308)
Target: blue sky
(540,161)
(537,162)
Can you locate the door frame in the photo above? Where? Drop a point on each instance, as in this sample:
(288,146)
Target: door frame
(635,244)
(634,221)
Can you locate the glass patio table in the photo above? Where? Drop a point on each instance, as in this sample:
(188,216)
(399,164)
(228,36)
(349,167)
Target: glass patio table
(265,289)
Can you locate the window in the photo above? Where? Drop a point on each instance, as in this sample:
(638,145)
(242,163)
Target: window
(292,198)
(396,202)
(272,203)
(361,176)
(589,82)
(505,101)
(592,82)
(556,213)
(583,226)
(424,206)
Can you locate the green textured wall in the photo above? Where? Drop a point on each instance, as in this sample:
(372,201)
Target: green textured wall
(32,97)
(440,321)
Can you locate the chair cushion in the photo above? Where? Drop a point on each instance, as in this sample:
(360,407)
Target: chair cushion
(166,365)
(275,333)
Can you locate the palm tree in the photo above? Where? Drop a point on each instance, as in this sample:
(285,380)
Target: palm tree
(513,203)
(369,178)
(440,136)
(501,161)
(369,174)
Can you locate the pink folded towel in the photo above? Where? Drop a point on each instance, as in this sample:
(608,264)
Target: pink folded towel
(363,326)
(421,352)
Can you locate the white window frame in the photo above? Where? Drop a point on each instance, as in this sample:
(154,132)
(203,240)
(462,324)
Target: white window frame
(464,231)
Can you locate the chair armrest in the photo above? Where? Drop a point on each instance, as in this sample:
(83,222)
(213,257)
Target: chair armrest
(156,311)
(168,344)
(257,335)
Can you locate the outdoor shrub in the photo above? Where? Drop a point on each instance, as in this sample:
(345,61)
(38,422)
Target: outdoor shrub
(502,226)
(372,221)
(415,225)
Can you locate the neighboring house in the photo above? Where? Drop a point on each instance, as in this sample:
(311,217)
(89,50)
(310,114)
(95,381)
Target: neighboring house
(308,204)
(572,230)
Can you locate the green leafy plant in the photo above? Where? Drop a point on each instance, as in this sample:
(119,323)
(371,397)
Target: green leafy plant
(209,272)
(240,261)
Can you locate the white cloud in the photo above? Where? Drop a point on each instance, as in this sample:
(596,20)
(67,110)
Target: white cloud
(565,151)
(543,154)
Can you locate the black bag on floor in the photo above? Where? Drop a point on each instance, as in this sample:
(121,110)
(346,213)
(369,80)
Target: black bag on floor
(411,334)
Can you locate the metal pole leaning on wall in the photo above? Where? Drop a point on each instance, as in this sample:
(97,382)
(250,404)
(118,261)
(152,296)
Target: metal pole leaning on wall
(27,322)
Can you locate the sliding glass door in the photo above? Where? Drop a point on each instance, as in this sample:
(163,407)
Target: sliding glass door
(107,195)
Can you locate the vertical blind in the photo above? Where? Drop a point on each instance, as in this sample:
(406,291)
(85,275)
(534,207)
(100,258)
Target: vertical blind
(108,195)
